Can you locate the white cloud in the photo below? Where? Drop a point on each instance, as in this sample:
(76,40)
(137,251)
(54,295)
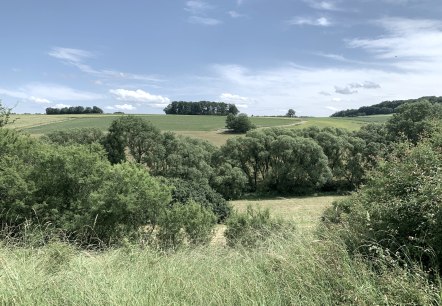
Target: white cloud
(45,93)
(322,5)
(56,92)
(332,108)
(324,93)
(231,98)
(39,100)
(197,7)
(321,21)
(139,96)
(125,107)
(235,14)
(409,44)
(204,20)
(336,99)
(61,105)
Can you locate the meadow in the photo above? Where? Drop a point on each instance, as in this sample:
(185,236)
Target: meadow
(210,128)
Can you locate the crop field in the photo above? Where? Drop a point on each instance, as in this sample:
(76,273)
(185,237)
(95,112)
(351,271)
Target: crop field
(206,127)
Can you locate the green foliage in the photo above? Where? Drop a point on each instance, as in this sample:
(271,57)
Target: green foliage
(184,191)
(413,121)
(200,108)
(73,110)
(398,213)
(230,182)
(386,107)
(252,228)
(239,123)
(5,114)
(84,136)
(291,113)
(127,199)
(190,222)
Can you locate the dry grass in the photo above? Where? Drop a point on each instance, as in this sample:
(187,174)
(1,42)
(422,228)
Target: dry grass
(304,211)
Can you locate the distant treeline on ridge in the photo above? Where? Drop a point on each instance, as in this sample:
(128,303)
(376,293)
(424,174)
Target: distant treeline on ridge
(200,108)
(73,110)
(383,108)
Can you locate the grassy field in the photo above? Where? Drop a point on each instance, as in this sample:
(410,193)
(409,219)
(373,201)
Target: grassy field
(299,269)
(304,211)
(205,127)
(42,124)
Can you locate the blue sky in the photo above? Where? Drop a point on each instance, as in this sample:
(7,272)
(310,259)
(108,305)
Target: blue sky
(265,56)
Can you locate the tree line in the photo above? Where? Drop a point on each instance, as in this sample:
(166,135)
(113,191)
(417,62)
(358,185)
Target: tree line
(73,110)
(383,108)
(201,108)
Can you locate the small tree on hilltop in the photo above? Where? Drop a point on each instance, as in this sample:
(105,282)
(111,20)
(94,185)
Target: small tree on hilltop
(291,113)
(239,124)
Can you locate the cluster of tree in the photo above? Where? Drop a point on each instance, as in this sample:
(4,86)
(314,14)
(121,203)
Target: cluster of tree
(239,123)
(95,186)
(5,114)
(73,110)
(383,108)
(397,215)
(200,108)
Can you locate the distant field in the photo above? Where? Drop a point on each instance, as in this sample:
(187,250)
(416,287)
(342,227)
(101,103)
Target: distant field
(205,127)
(349,123)
(42,124)
(304,211)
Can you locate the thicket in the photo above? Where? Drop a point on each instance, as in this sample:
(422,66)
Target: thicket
(239,123)
(398,213)
(200,108)
(383,108)
(73,110)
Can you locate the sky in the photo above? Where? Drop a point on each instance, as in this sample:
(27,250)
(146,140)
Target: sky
(266,56)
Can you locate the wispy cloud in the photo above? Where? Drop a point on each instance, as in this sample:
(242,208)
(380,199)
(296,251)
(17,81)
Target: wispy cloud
(323,5)
(199,10)
(139,96)
(321,21)
(409,44)
(77,58)
(345,90)
(204,20)
(235,14)
(43,93)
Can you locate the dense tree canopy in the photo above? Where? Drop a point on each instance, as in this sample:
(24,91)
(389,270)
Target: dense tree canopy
(386,107)
(73,110)
(200,108)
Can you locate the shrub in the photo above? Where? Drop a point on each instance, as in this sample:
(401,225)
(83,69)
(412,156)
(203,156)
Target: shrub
(399,211)
(239,123)
(253,227)
(190,222)
(84,136)
(184,191)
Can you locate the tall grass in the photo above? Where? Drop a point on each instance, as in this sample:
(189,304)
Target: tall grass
(295,270)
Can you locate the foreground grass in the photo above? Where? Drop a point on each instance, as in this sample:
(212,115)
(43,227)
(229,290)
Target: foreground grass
(297,269)
(293,271)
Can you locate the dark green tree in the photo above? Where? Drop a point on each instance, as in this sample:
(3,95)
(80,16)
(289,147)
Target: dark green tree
(239,124)
(291,113)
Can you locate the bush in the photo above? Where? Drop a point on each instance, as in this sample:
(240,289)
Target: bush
(253,227)
(399,211)
(200,192)
(190,222)
(84,136)
(239,124)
